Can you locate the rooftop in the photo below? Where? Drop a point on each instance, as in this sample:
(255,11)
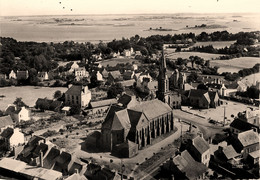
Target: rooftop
(230,152)
(248,138)
(102,103)
(5,121)
(200,144)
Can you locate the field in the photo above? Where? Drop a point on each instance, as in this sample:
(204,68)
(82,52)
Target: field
(215,44)
(236,64)
(115,61)
(185,55)
(29,94)
(251,79)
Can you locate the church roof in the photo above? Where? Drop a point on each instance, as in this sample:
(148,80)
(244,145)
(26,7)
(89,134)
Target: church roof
(153,108)
(121,120)
(110,115)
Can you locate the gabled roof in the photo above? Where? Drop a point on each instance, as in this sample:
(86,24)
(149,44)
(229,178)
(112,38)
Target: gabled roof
(40,148)
(115,74)
(121,120)
(35,139)
(199,93)
(255,154)
(102,103)
(230,152)
(125,99)
(7,133)
(248,138)
(51,157)
(110,116)
(76,176)
(5,121)
(80,69)
(153,108)
(241,125)
(200,144)
(186,164)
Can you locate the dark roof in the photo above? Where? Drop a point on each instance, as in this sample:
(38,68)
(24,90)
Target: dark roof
(74,90)
(186,164)
(248,138)
(197,92)
(200,144)
(125,99)
(75,166)
(241,125)
(35,139)
(102,103)
(212,95)
(5,121)
(62,162)
(110,116)
(115,74)
(7,133)
(40,148)
(153,108)
(51,157)
(55,104)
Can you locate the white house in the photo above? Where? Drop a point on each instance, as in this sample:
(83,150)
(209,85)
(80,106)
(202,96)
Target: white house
(12,137)
(12,75)
(99,76)
(73,67)
(81,72)
(43,76)
(77,95)
(127,53)
(22,114)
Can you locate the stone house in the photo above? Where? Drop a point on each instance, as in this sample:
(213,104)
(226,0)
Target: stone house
(204,99)
(12,138)
(5,122)
(21,114)
(22,75)
(77,95)
(73,67)
(81,72)
(183,166)
(199,150)
(12,75)
(100,107)
(246,142)
(227,155)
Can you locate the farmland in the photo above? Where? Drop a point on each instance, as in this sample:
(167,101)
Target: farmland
(236,64)
(171,54)
(115,61)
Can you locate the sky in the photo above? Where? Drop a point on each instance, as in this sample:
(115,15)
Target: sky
(53,7)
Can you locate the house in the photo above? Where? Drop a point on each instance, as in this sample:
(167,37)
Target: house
(21,114)
(114,76)
(12,75)
(77,95)
(12,137)
(99,77)
(200,98)
(16,168)
(50,159)
(219,88)
(43,76)
(22,75)
(183,166)
(127,101)
(211,79)
(237,126)
(5,122)
(127,83)
(246,142)
(140,77)
(105,73)
(199,150)
(227,155)
(81,72)
(76,176)
(127,53)
(73,67)
(138,124)
(64,163)
(253,158)
(101,107)
(127,75)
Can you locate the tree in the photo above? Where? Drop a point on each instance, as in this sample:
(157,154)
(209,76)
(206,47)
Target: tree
(114,90)
(18,102)
(75,109)
(57,94)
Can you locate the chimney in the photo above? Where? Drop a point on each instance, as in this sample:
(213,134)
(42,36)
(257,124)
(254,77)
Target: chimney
(76,171)
(41,158)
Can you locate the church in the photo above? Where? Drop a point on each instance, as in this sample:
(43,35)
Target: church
(129,128)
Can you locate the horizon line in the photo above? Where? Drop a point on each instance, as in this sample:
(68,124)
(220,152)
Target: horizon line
(103,14)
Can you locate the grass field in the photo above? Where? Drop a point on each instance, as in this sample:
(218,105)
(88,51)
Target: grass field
(29,94)
(251,79)
(185,55)
(115,61)
(236,64)
(215,44)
